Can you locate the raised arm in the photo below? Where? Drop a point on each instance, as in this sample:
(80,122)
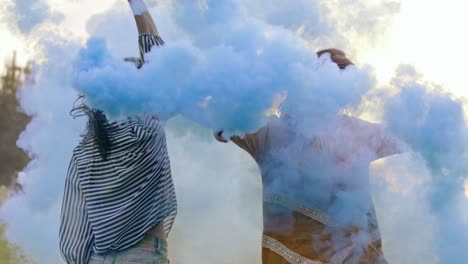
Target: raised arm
(148,34)
(374,137)
(389,145)
(382,142)
(252,143)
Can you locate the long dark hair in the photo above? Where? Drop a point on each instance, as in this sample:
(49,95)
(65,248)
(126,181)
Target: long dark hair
(96,128)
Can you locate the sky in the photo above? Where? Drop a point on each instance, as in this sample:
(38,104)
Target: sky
(77,15)
(427,34)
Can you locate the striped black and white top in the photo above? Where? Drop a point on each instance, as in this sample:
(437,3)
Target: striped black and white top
(110,205)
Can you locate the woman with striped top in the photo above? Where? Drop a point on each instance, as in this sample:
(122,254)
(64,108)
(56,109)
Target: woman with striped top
(316,205)
(119,201)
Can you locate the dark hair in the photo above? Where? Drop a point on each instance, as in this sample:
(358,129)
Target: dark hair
(337,56)
(96,127)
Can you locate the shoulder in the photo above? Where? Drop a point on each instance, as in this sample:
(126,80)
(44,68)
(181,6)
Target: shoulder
(361,124)
(366,132)
(151,122)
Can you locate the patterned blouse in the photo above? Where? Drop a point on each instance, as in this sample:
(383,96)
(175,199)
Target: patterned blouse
(302,180)
(111,204)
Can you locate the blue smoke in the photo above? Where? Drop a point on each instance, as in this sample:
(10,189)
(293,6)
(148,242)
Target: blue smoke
(226,82)
(223,64)
(433,123)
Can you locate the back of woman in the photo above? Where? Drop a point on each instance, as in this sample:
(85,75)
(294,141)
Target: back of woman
(316,201)
(119,202)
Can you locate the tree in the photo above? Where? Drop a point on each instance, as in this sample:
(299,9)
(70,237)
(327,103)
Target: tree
(10,253)
(12,122)
(12,158)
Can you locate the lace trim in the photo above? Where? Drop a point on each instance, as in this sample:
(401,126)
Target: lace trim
(313,213)
(375,236)
(289,255)
(310,212)
(294,258)
(341,256)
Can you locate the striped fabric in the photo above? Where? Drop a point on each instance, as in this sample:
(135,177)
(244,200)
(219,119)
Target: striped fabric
(147,41)
(109,205)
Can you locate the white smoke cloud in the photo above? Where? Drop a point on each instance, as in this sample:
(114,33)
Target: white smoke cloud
(433,123)
(220,215)
(26,15)
(32,215)
(401,187)
(331,23)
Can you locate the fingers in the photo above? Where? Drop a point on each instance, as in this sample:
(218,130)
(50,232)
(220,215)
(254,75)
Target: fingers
(219,136)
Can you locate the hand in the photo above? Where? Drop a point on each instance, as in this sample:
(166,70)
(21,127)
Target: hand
(219,136)
(138,62)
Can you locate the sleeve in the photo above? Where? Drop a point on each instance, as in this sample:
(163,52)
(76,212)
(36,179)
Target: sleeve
(146,41)
(385,144)
(76,237)
(253,143)
(148,34)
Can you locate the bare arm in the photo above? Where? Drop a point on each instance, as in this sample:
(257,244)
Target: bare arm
(148,34)
(389,145)
(384,143)
(143,19)
(253,143)
(375,137)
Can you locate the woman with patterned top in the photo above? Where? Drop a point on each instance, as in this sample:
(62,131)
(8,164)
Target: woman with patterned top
(119,201)
(316,202)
